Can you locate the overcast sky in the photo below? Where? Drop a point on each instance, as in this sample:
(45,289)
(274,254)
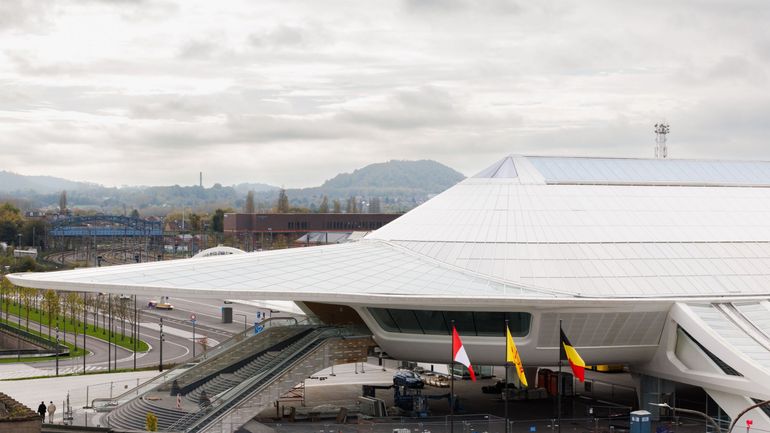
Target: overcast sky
(292,92)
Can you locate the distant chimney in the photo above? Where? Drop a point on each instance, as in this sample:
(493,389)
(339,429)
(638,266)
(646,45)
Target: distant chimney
(200,177)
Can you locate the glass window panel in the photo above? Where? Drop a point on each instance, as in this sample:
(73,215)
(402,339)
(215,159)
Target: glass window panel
(483,323)
(406,321)
(432,322)
(463,321)
(489,323)
(519,323)
(384,319)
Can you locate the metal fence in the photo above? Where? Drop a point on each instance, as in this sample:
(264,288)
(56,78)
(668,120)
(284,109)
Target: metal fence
(492,424)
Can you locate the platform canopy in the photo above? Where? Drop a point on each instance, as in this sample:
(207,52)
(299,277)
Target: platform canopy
(525,228)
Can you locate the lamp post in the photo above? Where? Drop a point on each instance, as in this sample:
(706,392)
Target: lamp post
(193,320)
(6,271)
(160,367)
(57,350)
(691,412)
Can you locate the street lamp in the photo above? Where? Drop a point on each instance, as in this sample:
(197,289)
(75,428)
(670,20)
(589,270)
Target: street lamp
(57,350)
(691,412)
(6,271)
(160,367)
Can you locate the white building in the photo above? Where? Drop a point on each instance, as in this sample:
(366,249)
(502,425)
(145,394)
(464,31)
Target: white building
(663,265)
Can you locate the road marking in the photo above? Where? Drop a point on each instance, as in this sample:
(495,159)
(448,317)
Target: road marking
(178,332)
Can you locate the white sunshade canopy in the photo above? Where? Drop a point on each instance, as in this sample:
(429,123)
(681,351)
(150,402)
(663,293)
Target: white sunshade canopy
(525,228)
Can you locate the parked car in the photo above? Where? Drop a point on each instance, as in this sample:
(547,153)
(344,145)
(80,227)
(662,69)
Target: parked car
(408,379)
(153,303)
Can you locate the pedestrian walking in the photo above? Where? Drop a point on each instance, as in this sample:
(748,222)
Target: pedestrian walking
(51,410)
(41,410)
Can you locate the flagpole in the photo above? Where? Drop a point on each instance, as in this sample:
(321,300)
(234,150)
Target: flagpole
(558,398)
(505,386)
(452,382)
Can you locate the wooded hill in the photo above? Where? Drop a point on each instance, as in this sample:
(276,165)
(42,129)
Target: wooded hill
(399,185)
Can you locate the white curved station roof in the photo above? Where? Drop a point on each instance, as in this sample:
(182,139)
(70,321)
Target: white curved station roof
(524,228)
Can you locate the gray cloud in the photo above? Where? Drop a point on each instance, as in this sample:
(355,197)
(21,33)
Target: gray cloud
(198,49)
(244,89)
(23,14)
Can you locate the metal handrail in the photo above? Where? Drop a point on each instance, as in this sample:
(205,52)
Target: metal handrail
(220,398)
(237,338)
(33,338)
(152,383)
(255,384)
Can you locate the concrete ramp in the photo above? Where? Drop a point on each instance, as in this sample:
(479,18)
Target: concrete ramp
(723,348)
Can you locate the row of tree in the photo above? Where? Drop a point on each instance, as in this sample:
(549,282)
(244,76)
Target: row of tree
(68,310)
(352,205)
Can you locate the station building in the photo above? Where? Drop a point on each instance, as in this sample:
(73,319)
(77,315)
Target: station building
(661,265)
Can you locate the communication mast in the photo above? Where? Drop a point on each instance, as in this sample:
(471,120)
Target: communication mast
(661,130)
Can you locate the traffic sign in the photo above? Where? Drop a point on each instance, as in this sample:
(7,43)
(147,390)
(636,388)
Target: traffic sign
(192,317)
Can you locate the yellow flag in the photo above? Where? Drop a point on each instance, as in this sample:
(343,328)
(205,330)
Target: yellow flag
(512,357)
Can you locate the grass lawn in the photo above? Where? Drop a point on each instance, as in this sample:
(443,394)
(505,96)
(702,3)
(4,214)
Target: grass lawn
(35,317)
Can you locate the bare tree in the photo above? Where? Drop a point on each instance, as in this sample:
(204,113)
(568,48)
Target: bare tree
(121,311)
(352,205)
(283,202)
(74,302)
(63,202)
(324,207)
(248,207)
(374,205)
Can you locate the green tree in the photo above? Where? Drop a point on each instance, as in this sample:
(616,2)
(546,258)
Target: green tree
(324,208)
(7,291)
(27,297)
(135,213)
(11,222)
(218,221)
(283,202)
(33,232)
(52,307)
(195,222)
(337,207)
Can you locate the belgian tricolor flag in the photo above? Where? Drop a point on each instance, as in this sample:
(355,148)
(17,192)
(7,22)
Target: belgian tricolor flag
(567,352)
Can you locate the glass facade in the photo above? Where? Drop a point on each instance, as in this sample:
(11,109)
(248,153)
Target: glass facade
(480,323)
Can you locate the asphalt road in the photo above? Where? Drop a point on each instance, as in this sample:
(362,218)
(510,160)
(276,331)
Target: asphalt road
(178,343)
